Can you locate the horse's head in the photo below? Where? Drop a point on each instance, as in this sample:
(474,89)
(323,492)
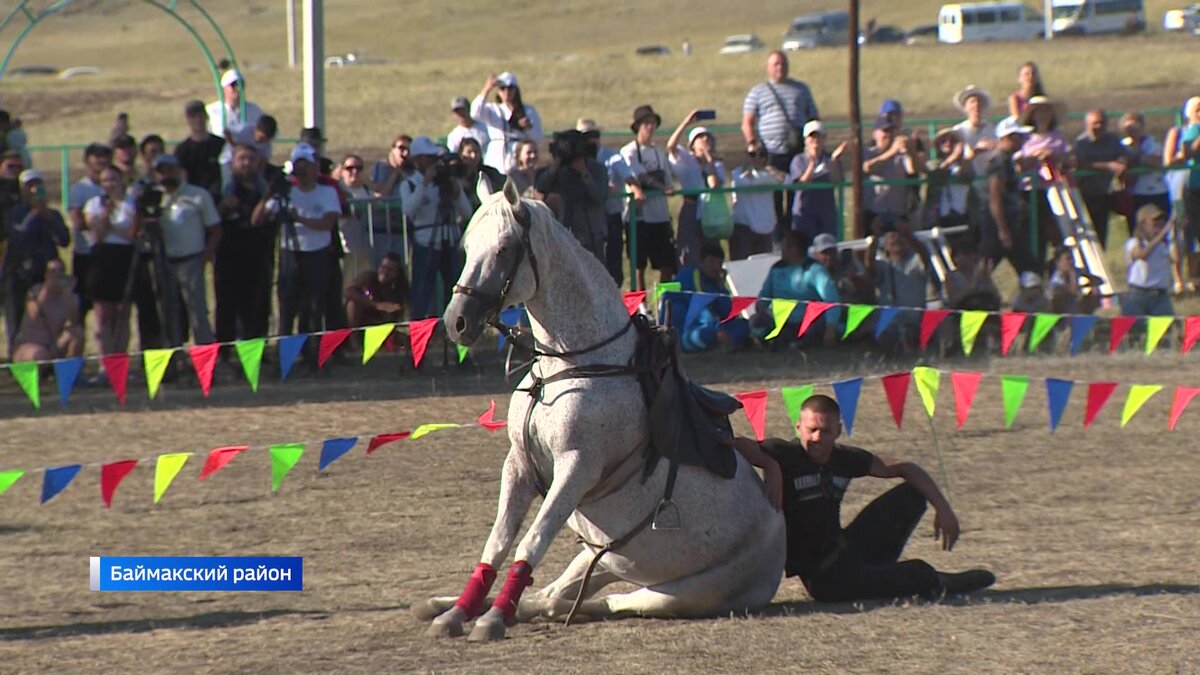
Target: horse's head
(501,268)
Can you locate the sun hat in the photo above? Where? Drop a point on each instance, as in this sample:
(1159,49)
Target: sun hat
(1009,126)
(960,99)
(948,131)
(641,113)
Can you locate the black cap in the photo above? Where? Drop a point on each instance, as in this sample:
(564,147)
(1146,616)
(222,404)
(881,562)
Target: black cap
(194,108)
(311,135)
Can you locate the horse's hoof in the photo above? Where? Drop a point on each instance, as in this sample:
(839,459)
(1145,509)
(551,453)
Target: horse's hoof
(448,625)
(488,628)
(426,610)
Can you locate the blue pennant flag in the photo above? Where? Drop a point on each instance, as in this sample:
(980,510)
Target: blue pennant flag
(56,480)
(66,373)
(333,448)
(289,349)
(1057,394)
(696,305)
(509,317)
(886,314)
(1081,326)
(847,393)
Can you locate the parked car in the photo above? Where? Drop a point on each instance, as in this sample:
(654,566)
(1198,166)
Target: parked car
(652,50)
(820,29)
(883,35)
(921,35)
(1186,19)
(742,44)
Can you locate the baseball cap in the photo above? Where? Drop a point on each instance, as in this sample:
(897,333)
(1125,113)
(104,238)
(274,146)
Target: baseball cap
(697,132)
(506,79)
(883,122)
(304,152)
(460,103)
(813,127)
(231,77)
(312,135)
(423,145)
(194,107)
(1009,126)
(29,175)
(165,159)
(1030,280)
(822,242)
(890,106)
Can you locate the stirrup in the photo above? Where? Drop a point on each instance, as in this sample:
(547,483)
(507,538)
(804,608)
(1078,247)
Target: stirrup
(666,516)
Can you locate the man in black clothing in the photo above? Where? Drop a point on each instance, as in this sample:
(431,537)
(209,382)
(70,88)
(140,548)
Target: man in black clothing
(200,153)
(809,477)
(246,256)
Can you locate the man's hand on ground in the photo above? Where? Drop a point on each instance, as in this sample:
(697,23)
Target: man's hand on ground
(945,527)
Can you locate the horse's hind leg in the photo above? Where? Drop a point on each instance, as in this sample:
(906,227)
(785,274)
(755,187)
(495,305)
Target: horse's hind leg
(557,598)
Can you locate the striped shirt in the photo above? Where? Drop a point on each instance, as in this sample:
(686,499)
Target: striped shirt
(772,122)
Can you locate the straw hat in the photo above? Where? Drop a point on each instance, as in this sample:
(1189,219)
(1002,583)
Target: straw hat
(960,99)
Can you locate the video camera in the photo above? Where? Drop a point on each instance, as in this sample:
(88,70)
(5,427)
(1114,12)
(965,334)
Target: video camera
(567,146)
(277,181)
(149,202)
(449,168)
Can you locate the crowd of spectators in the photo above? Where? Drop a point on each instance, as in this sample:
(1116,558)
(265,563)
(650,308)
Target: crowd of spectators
(144,225)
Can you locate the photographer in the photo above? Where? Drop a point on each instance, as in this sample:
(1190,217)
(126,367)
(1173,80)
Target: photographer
(307,212)
(34,232)
(109,218)
(652,169)
(246,256)
(576,185)
(186,226)
(437,207)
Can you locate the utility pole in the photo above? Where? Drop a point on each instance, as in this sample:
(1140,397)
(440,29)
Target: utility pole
(856,149)
(314,63)
(291,32)
(1048,19)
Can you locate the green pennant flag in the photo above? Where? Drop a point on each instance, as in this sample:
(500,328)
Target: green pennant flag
(462,352)
(373,339)
(165,470)
(155,362)
(7,478)
(927,380)
(1138,395)
(969,325)
(1012,389)
(1156,328)
(250,353)
(855,315)
(793,398)
(1042,324)
(666,287)
(283,459)
(26,375)
(425,429)
(782,309)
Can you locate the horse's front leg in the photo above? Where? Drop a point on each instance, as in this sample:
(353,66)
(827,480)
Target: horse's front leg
(573,476)
(516,494)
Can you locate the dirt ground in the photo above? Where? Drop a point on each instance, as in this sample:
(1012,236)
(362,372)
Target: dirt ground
(1091,533)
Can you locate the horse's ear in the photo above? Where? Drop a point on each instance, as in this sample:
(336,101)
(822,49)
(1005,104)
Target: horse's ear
(511,193)
(483,189)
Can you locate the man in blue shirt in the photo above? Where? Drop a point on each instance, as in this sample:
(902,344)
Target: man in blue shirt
(797,277)
(697,318)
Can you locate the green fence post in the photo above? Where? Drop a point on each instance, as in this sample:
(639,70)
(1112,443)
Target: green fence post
(633,269)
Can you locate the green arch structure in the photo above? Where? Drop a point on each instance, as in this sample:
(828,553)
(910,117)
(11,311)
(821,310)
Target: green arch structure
(168,6)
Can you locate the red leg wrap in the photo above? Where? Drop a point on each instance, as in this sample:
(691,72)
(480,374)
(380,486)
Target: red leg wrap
(519,578)
(477,589)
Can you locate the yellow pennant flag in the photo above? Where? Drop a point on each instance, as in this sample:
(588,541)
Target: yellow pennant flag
(1156,328)
(373,339)
(969,324)
(927,380)
(1138,395)
(165,470)
(425,429)
(156,361)
(782,309)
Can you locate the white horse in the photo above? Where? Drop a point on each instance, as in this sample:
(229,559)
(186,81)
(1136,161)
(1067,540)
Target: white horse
(582,441)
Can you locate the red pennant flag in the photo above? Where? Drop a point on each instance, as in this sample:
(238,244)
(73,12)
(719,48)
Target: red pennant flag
(1097,395)
(633,300)
(488,419)
(896,388)
(1191,332)
(930,320)
(740,303)
(419,333)
(383,439)
(812,311)
(1183,396)
(116,368)
(329,343)
(219,457)
(965,385)
(111,476)
(204,360)
(1120,326)
(754,403)
(1010,328)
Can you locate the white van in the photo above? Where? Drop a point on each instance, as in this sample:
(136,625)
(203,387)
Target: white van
(985,21)
(1098,17)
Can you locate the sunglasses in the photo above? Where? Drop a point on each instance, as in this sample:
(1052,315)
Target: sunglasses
(400,147)
(352,167)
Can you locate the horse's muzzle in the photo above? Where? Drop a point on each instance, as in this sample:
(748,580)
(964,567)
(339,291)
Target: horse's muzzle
(464,319)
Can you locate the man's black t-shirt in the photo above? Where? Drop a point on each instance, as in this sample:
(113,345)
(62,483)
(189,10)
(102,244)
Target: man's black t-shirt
(202,162)
(812,499)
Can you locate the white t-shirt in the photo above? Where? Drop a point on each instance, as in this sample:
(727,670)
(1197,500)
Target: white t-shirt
(186,216)
(315,203)
(971,136)
(233,120)
(502,140)
(1153,271)
(1146,183)
(79,195)
(618,173)
(120,215)
(643,160)
(477,131)
(755,210)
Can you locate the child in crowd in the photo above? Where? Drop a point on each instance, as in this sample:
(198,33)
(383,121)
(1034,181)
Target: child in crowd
(1031,298)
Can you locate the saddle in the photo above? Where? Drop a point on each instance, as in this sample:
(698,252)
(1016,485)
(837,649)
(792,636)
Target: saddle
(689,424)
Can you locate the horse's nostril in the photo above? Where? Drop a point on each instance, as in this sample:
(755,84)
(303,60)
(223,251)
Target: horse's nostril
(460,325)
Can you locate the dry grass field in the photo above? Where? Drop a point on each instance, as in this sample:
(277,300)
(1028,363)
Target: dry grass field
(1091,533)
